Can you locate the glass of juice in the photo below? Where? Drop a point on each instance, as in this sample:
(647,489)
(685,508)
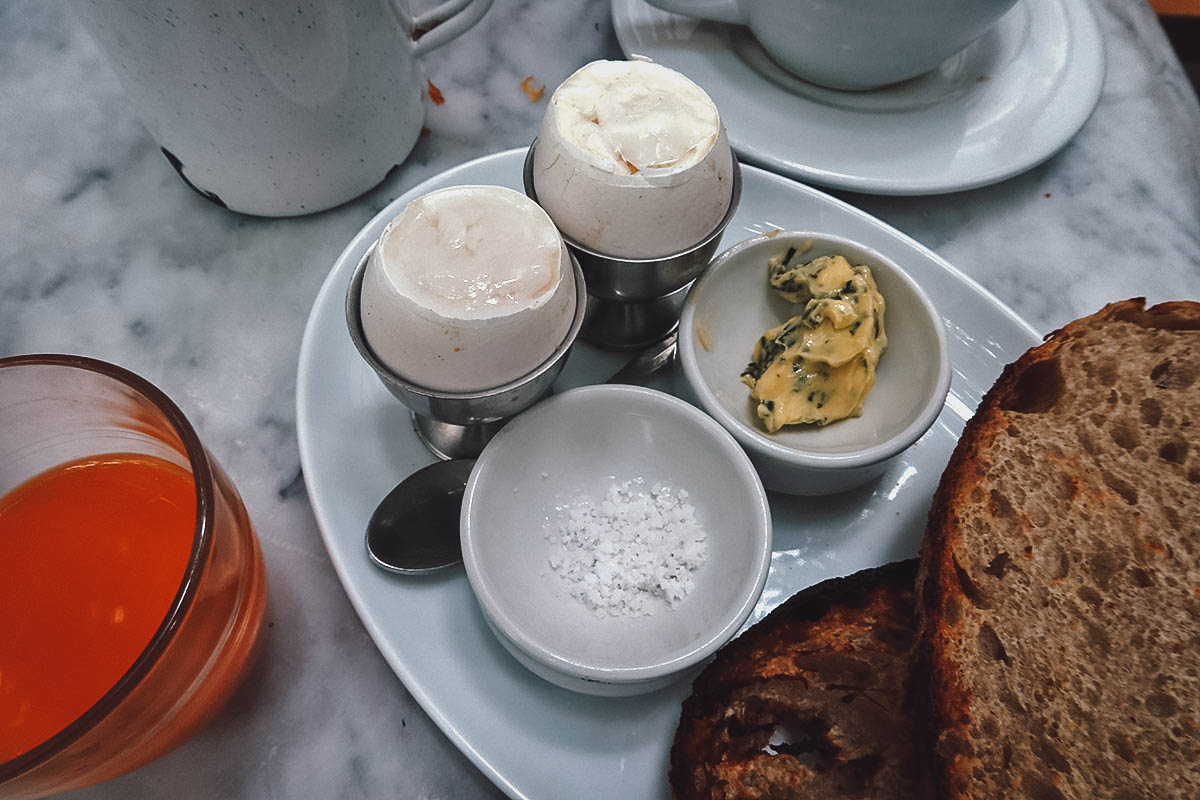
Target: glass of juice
(132,586)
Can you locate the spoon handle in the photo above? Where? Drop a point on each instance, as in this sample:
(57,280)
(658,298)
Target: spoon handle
(651,360)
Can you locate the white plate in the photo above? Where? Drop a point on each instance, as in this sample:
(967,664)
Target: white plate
(1004,104)
(534,739)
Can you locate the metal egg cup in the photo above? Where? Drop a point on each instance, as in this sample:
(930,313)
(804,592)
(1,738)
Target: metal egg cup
(633,302)
(459,424)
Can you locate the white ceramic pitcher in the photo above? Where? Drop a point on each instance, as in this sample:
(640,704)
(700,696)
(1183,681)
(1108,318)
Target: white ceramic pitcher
(277,108)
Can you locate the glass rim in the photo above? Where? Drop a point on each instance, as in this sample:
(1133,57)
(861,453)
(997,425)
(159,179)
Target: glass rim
(204,485)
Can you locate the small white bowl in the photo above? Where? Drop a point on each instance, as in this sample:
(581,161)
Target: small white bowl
(574,446)
(732,305)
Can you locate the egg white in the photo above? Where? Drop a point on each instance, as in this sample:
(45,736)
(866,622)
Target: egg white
(444,351)
(655,212)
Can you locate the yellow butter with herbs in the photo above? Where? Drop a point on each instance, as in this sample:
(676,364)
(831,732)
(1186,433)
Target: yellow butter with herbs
(819,366)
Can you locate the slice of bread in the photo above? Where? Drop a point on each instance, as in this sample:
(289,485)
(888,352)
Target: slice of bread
(811,701)
(1060,575)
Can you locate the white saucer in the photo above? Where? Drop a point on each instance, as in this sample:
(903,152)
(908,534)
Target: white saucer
(533,739)
(1002,105)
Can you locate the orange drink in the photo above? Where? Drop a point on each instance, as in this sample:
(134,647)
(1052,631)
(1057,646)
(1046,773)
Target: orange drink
(131,583)
(81,609)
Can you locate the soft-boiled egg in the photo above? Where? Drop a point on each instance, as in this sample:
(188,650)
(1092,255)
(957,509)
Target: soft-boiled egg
(632,160)
(468,289)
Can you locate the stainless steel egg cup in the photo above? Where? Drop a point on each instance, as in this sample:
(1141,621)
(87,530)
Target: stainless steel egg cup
(633,302)
(459,424)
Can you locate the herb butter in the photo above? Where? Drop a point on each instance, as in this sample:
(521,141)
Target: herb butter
(819,366)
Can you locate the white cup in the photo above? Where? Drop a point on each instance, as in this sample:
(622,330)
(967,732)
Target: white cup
(277,108)
(854,44)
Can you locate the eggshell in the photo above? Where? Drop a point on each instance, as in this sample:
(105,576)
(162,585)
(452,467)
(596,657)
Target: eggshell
(457,352)
(650,213)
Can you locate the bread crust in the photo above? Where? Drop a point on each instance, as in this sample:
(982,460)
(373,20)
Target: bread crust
(830,669)
(945,588)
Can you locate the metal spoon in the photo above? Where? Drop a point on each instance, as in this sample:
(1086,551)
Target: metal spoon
(414,529)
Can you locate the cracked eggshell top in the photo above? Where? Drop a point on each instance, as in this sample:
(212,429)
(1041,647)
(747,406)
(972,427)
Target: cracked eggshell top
(632,160)
(468,289)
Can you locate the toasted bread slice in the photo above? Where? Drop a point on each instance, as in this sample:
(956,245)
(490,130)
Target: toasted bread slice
(1060,574)
(810,702)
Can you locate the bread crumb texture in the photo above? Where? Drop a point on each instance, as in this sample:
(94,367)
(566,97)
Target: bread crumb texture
(811,702)
(1060,588)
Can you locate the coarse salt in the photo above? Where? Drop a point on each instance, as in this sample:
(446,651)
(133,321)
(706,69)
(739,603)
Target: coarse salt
(632,551)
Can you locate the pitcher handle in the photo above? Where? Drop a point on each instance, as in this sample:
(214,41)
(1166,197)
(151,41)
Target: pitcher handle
(440,24)
(717,10)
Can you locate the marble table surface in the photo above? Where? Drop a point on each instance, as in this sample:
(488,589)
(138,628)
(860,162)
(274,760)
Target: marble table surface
(105,252)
